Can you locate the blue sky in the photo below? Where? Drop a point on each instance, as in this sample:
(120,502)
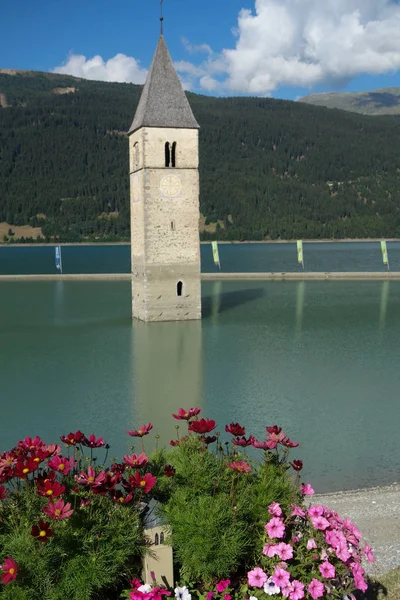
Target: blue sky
(278,48)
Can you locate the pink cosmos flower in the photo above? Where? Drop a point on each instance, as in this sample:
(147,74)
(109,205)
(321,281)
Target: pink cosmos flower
(241,466)
(29,444)
(143,482)
(311,545)
(90,477)
(316,589)
(275,528)
(297,511)
(307,490)
(316,511)
(186,415)
(270,550)
(256,577)
(297,590)
(222,585)
(202,426)
(58,510)
(235,429)
(327,570)
(243,442)
(274,439)
(261,445)
(274,429)
(289,443)
(369,555)
(284,551)
(274,509)
(281,577)
(136,460)
(10,570)
(61,464)
(320,523)
(144,430)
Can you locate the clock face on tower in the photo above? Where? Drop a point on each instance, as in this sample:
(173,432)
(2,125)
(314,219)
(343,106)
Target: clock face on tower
(170,186)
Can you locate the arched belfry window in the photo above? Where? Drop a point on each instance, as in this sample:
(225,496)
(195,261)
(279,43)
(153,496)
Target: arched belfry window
(156,539)
(167,154)
(162,537)
(179,287)
(173,158)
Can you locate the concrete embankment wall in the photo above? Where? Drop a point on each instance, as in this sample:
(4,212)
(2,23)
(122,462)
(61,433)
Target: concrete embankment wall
(344,276)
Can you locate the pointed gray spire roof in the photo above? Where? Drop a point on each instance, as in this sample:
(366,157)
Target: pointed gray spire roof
(163,102)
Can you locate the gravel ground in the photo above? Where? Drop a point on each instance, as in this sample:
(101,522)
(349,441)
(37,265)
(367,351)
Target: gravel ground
(376,512)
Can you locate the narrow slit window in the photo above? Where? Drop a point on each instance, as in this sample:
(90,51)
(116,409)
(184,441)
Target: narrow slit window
(167,155)
(173,160)
(172,225)
(179,287)
(136,156)
(156,542)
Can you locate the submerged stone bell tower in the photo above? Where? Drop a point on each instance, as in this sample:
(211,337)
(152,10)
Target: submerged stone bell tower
(164,199)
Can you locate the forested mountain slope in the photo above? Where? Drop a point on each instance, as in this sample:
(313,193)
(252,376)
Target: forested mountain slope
(269,168)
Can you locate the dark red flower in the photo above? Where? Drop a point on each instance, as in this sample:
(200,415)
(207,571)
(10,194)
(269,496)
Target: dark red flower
(202,426)
(143,430)
(50,489)
(274,429)
(169,471)
(117,468)
(10,570)
(235,429)
(243,442)
(24,467)
(42,532)
(297,465)
(119,497)
(143,482)
(72,438)
(93,442)
(29,444)
(46,476)
(178,442)
(186,415)
(3,492)
(289,443)
(209,439)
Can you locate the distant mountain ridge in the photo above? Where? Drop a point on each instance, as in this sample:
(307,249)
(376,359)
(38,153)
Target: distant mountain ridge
(385,101)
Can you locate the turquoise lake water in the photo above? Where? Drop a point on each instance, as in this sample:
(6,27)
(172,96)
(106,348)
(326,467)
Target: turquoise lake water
(319,358)
(240,258)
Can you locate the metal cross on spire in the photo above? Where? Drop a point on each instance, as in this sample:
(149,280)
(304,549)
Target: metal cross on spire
(161,17)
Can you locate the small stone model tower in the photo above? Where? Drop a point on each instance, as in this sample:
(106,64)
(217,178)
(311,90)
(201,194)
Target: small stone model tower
(164,183)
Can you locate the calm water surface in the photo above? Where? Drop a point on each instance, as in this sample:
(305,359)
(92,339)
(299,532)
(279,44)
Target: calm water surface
(319,358)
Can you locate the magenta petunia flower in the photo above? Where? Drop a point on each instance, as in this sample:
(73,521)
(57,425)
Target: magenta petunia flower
(316,511)
(222,585)
(307,490)
(270,550)
(284,551)
(297,590)
(316,589)
(256,577)
(61,464)
(58,510)
(297,511)
(320,523)
(281,577)
(311,544)
(275,510)
(143,430)
(136,460)
(369,555)
(327,570)
(186,415)
(10,570)
(275,528)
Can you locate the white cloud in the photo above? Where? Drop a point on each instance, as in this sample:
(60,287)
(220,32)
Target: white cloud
(209,83)
(122,68)
(303,42)
(195,48)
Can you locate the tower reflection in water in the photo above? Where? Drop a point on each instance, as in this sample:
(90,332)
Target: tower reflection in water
(167,375)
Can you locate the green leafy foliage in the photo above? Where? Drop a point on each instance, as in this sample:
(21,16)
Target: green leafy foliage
(269,168)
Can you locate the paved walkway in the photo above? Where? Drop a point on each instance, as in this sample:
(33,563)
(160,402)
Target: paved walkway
(376,512)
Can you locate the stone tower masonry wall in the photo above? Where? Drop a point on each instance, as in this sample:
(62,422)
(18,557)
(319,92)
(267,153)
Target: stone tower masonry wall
(164,229)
